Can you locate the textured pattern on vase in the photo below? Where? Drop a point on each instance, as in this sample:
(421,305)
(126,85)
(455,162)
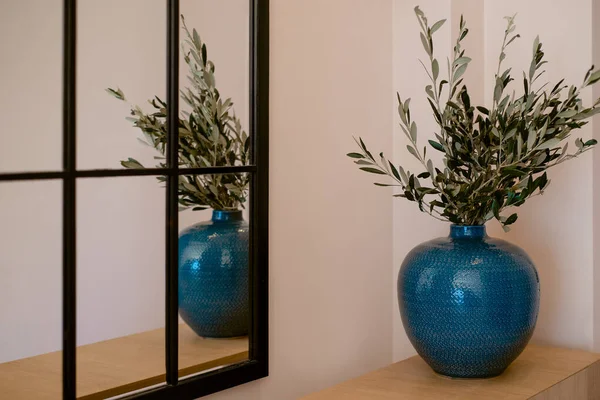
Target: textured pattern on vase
(469,303)
(213,276)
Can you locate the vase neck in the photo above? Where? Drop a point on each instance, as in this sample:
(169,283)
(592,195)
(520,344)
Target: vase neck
(467,231)
(226,216)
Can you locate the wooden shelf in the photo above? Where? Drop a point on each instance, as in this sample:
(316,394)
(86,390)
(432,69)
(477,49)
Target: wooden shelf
(117,366)
(540,373)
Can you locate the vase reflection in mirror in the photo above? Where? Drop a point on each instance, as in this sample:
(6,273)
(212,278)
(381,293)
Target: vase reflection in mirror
(213,276)
(213,255)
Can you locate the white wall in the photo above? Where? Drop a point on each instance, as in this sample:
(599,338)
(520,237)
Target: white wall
(595,15)
(331,243)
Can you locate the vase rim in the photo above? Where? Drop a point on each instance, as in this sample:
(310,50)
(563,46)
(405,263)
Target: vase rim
(227,215)
(467,231)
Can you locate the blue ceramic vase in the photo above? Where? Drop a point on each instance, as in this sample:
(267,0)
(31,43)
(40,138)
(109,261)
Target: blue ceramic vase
(213,276)
(469,303)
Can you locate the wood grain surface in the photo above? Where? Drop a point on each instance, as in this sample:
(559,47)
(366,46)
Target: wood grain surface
(540,373)
(117,366)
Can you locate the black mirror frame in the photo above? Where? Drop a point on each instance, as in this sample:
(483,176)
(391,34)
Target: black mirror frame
(256,366)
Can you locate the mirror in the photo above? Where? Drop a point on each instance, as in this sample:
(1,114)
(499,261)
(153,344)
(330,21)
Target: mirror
(121,132)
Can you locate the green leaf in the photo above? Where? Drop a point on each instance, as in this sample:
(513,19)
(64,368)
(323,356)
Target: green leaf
(483,110)
(132,164)
(429,91)
(412,151)
(511,171)
(425,44)
(591,142)
(209,78)
(407,105)
(403,174)
(436,113)
(498,90)
(430,166)
(461,61)
(531,139)
(424,175)
(373,170)
(595,77)
(460,71)
(442,83)
(116,93)
(394,171)
(536,45)
(196,38)
(413,131)
(204,56)
(511,220)
(437,146)
(567,114)
(541,182)
(549,144)
(435,69)
(540,158)
(355,155)
(532,69)
(437,26)
(587,114)
(402,114)
(512,39)
(362,144)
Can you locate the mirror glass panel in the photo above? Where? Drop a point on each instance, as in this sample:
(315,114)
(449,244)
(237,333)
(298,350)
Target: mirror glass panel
(121,47)
(31,290)
(31,82)
(121,94)
(213,276)
(120,285)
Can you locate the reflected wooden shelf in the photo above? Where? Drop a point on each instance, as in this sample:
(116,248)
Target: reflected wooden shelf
(117,366)
(540,373)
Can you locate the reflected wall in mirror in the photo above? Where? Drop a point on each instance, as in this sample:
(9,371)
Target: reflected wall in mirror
(127,61)
(31,94)
(30,289)
(122,343)
(119,43)
(120,285)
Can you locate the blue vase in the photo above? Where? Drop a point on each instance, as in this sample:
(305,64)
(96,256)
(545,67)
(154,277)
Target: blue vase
(213,276)
(469,303)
